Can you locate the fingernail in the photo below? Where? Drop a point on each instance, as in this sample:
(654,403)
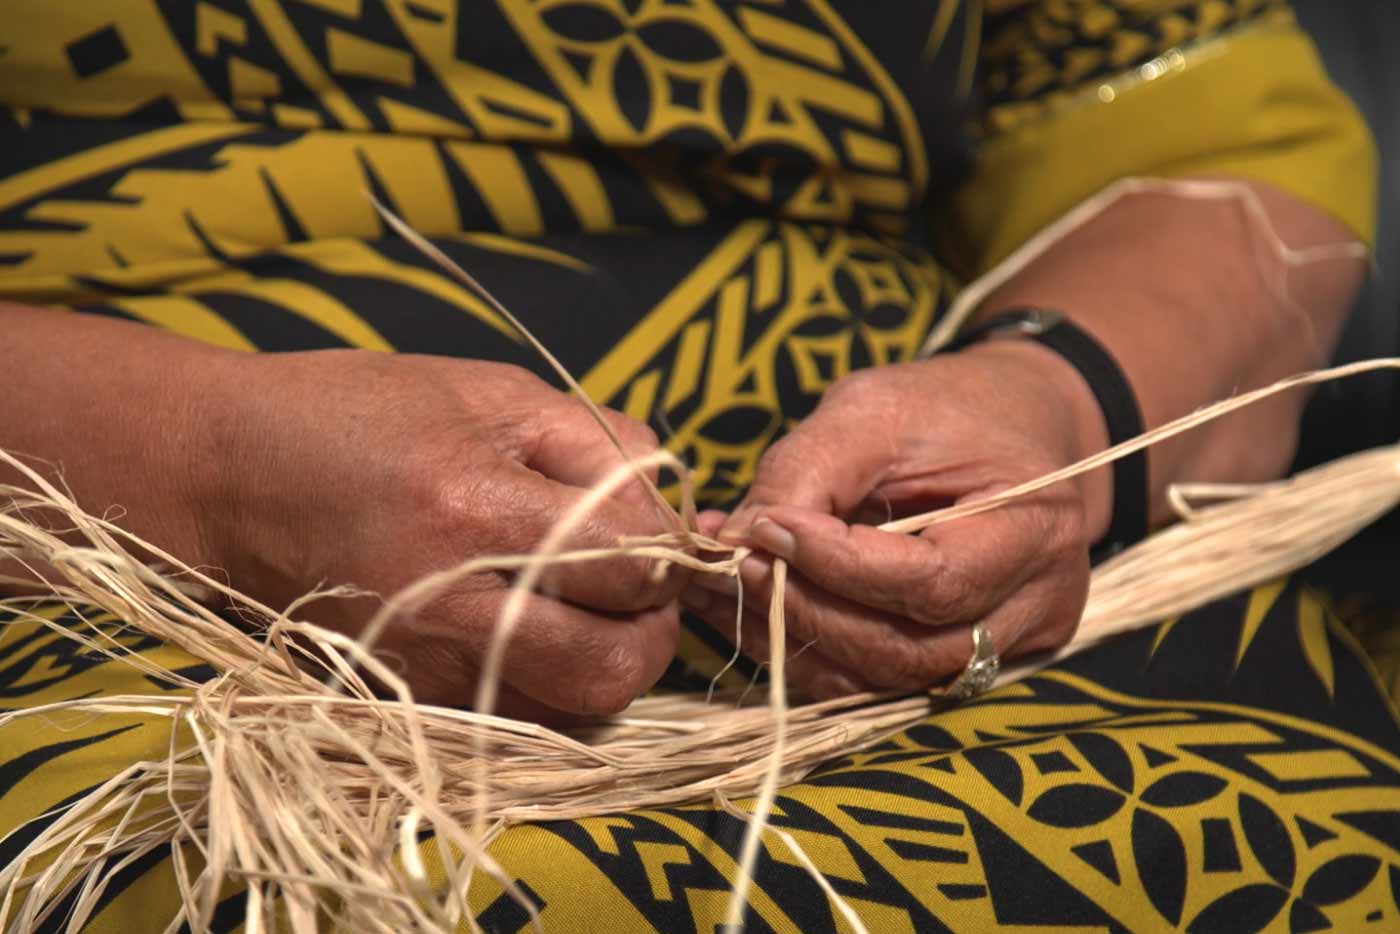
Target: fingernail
(696,598)
(772,537)
(737,528)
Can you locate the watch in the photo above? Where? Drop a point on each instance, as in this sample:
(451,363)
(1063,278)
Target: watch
(1116,400)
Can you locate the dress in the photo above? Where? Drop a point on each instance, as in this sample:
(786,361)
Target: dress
(710,211)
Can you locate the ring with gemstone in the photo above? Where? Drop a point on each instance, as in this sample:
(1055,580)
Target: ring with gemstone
(982,668)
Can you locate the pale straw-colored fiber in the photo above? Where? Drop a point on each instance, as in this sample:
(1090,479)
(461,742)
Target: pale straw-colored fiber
(288,775)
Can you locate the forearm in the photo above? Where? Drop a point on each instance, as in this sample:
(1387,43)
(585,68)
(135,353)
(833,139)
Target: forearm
(1189,298)
(113,407)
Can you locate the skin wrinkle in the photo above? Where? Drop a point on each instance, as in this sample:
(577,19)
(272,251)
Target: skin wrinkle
(896,654)
(1314,492)
(1255,343)
(1170,334)
(902,656)
(878,641)
(622,654)
(883,654)
(499,488)
(905,600)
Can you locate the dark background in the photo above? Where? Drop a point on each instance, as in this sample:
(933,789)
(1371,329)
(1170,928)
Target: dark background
(1359,40)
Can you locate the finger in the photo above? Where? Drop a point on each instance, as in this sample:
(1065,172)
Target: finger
(563,455)
(558,435)
(819,466)
(429,687)
(879,649)
(525,506)
(888,654)
(809,673)
(710,522)
(563,657)
(512,703)
(953,573)
(574,449)
(1038,619)
(638,440)
(884,649)
(1043,616)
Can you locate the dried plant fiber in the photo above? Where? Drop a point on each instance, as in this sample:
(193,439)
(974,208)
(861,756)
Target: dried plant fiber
(288,776)
(285,772)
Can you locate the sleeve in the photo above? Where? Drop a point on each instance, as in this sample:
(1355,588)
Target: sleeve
(1079,94)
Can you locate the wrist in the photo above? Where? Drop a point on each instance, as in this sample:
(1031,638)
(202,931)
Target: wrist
(270,487)
(225,463)
(1072,412)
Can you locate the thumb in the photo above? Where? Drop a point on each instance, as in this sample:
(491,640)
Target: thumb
(826,465)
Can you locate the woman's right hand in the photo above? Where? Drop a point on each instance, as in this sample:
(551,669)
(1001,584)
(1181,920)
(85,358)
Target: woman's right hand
(303,470)
(351,467)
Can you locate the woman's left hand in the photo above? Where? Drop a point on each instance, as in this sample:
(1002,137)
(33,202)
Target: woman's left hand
(874,610)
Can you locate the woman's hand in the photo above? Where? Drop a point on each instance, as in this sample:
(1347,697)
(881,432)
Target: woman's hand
(878,610)
(349,467)
(290,472)
(1193,303)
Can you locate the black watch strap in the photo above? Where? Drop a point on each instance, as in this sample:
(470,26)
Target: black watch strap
(1116,400)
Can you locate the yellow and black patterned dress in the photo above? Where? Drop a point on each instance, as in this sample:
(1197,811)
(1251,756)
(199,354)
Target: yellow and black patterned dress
(711,209)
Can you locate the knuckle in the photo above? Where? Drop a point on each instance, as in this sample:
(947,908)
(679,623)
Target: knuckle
(1064,620)
(500,513)
(875,389)
(899,596)
(1062,628)
(1056,526)
(599,698)
(455,483)
(637,437)
(857,382)
(1072,529)
(447,509)
(507,387)
(638,585)
(780,453)
(438,671)
(1047,633)
(615,682)
(616,584)
(944,595)
(515,376)
(660,642)
(672,582)
(786,460)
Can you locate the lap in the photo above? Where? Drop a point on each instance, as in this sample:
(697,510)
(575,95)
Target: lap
(1221,771)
